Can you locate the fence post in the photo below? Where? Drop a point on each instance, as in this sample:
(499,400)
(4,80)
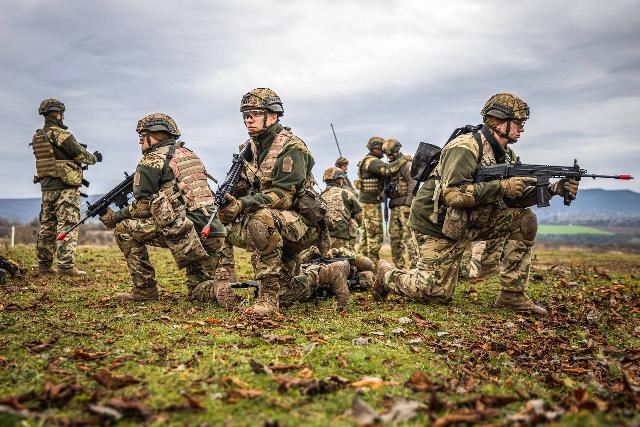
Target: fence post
(13,235)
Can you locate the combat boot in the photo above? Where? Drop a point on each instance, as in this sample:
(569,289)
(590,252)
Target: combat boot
(379,290)
(334,276)
(518,302)
(47,269)
(139,295)
(225,296)
(71,272)
(266,304)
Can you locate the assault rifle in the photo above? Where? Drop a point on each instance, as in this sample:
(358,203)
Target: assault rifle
(388,187)
(542,173)
(229,184)
(119,196)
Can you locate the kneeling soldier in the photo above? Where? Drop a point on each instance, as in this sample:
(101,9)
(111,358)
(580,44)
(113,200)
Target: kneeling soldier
(172,200)
(451,210)
(343,209)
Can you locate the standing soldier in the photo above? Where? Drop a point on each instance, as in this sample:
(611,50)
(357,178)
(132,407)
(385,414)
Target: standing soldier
(451,210)
(172,199)
(400,195)
(354,228)
(343,164)
(277,213)
(371,172)
(59,160)
(343,208)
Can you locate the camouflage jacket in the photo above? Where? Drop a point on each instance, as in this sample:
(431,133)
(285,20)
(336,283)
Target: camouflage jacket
(276,173)
(65,147)
(371,172)
(343,210)
(457,166)
(403,185)
(150,176)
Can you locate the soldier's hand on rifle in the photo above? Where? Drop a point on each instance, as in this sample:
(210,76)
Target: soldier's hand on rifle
(109,218)
(514,187)
(97,155)
(566,186)
(229,213)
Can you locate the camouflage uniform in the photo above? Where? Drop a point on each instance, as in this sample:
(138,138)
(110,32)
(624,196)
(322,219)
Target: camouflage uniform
(58,170)
(482,258)
(371,172)
(343,210)
(401,187)
(270,203)
(172,200)
(451,210)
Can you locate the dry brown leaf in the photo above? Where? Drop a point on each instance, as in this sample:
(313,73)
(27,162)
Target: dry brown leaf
(229,380)
(114,381)
(305,373)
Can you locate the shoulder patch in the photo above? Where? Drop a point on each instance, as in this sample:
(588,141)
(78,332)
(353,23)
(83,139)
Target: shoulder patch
(287,164)
(152,160)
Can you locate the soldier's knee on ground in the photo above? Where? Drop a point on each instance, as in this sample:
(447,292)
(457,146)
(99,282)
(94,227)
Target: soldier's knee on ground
(525,228)
(262,233)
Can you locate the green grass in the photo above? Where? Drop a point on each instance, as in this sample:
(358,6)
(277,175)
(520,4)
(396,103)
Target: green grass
(178,349)
(547,229)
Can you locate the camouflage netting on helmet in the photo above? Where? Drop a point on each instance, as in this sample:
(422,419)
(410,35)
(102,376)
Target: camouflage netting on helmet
(332,174)
(262,97)
(505,106)
(158,122)
(341,161)
(375,142)
(391,146)
(50,104)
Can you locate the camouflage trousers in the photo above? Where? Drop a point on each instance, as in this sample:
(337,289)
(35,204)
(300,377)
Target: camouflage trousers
(134,235)
(60,209)
(276,238)
(402,248)
(338,243)
(372,222)
(482,258)
(436,274)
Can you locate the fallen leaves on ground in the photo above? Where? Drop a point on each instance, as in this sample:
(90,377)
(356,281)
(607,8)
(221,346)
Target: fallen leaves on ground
(114,381)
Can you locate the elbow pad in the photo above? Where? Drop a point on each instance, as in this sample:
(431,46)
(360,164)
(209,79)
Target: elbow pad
(458,198)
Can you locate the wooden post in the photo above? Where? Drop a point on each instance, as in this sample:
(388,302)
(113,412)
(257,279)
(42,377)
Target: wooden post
(13,235)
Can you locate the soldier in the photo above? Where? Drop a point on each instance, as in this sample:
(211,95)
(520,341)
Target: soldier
(451,210)
(343,209)
(276,212)
(400,195)
(482,258)
(371,172)
(172,199)
(343,164)
(59,160)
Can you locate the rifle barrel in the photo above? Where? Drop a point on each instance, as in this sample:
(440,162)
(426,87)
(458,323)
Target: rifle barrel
(336,138)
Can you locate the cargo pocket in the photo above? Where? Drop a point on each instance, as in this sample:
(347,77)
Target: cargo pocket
(455,223)
(184,243)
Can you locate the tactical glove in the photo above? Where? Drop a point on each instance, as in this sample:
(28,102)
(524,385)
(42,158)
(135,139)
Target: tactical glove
(514,187)
(109,218)
(229,213)
(565,186)
(97,155)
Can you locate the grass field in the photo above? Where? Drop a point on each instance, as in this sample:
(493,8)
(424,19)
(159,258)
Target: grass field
(546,229)
(71,356)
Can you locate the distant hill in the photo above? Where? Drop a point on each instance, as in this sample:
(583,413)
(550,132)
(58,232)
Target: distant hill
(592,207)
(25,210)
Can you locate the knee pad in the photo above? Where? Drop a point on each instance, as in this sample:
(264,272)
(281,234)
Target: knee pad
(213,245)
(528,226)
(263,237)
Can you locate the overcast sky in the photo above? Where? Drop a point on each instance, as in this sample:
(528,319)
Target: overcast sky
(413,70)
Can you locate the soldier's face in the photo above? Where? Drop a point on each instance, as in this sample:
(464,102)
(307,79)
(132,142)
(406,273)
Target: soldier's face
(344,167)
(515,127)
(146,141)
(254,120)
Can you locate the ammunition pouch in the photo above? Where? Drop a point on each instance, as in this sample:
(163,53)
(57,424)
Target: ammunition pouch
(370,185)
(70,173)
(309,205)
(456,223)
(162,210)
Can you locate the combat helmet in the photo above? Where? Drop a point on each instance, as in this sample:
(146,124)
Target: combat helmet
(506,106)
(332,174)
(391,146)
(158,122)
(50,104)
(340,161)
(375,142)
(262,97)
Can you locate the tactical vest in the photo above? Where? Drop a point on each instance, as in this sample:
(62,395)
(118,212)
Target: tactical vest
(369,183)
(46,165)
(190,183)
(335,204)
(401,187)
